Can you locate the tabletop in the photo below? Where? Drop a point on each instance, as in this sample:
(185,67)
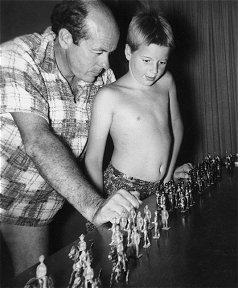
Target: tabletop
(199,249)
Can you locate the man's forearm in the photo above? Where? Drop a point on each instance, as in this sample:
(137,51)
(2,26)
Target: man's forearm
(58,167)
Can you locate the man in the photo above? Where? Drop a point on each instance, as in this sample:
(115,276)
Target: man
(41,125)
(48,83)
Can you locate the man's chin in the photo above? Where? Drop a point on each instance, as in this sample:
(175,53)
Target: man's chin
(89,79)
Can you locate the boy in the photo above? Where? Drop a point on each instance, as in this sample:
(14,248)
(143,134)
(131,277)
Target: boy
(140,111)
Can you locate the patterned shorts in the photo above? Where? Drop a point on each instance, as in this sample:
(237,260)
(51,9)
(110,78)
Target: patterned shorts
(115,180)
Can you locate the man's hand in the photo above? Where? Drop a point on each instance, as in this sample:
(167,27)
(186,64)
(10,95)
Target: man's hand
(115,205)
(182,172)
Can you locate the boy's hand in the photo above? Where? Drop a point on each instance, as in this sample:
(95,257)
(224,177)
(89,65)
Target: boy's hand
(182,172)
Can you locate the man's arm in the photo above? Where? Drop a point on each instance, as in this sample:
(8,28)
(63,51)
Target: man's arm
(57,166)
(177,128)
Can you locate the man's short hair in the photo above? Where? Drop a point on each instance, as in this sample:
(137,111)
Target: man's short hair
(149,28)
(70,15)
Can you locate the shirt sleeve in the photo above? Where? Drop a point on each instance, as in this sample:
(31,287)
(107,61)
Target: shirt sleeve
(22,87)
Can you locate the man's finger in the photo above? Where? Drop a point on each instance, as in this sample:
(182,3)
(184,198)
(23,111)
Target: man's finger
(137,195)
(132,197)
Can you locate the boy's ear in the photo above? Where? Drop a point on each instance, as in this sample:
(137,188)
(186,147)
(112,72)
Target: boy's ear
(65,38)
(128,52)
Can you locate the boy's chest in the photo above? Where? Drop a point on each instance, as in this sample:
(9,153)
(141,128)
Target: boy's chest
(150,110)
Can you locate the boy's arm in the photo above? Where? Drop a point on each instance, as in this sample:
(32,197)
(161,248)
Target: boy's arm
(99,129)
(177,128)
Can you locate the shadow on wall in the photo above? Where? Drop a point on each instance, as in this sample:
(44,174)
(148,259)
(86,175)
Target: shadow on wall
(179,64)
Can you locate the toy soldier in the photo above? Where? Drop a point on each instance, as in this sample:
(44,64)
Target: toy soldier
(135,240)
(147,214)
(139,221)
(165,217)
(133,216)
(88,274)
(82,244)
(41,272)
(77,280)
(121,256)
(146,238)
(123,221)
(155,222)
(117,236)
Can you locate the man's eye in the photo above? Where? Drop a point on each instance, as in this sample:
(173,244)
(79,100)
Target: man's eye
(98,52)
(163,62)
(146,60)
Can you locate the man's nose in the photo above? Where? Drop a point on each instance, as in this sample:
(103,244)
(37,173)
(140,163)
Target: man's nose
(105,61)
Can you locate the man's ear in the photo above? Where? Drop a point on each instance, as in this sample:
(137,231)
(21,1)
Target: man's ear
(65,38)
(128,52)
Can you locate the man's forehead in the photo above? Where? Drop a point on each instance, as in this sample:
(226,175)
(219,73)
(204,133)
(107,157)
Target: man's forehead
(101,36)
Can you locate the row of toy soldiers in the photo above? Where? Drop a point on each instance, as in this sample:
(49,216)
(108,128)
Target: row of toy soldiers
(173,196)
(206,173)
(128,233)
(181,195)
(83,273)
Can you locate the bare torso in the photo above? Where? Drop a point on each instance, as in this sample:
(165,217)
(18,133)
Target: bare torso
(140,130)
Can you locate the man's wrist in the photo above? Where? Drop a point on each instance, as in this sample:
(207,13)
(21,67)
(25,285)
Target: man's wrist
(97,218)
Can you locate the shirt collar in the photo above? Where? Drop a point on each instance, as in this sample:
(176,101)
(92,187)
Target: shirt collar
(46,51)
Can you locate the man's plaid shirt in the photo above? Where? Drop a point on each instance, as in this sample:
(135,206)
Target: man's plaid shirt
(31,82)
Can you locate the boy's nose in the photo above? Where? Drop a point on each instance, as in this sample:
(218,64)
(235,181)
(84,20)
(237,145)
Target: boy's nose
(154,69)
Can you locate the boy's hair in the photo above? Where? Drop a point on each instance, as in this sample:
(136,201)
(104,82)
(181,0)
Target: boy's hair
(149,28)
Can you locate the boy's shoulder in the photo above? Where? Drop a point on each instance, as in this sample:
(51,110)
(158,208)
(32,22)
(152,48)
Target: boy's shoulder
(167,77)
(166,81)
(115,87)
(106,92)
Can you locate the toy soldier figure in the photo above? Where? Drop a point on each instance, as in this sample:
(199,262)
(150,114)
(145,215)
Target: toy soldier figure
(139,221)
(88,274)
(117,236)
(135,240)
(41,280)
(146,238)
(41,272)
(155,222)
(82,244)
(162,200)
(121,256)
(147,215)
(123,221)
(165,217)
(133,216)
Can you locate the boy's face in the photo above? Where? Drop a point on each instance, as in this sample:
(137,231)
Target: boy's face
(148,63)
